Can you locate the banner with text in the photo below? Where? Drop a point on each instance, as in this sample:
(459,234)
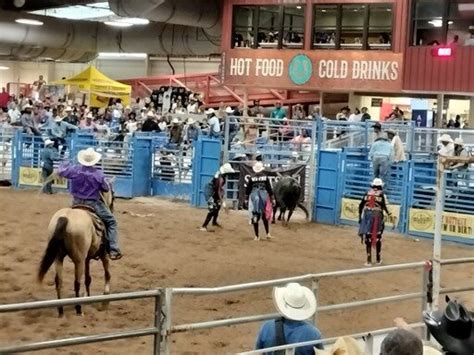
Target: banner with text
(33,177)
(328,70)
(299,173)
(454,224)
(350,211)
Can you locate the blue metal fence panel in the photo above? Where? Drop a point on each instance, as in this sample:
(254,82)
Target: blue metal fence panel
(327,195)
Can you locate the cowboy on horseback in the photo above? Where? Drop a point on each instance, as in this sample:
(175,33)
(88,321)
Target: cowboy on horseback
(87,182)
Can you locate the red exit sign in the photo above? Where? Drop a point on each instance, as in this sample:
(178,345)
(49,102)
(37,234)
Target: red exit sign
(442,52)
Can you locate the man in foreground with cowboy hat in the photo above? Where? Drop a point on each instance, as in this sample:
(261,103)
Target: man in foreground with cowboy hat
(214,194)
(87,182)
(296,304)
(48,156)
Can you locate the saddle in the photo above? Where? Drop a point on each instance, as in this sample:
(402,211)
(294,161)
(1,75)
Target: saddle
(99,228)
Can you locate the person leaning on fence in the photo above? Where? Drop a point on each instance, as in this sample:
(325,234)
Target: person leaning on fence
(295,304)
(48,155)
(214,194)
(381,155)
(460,152)
(447,146)
(259,199)
(371,220)
(397,145)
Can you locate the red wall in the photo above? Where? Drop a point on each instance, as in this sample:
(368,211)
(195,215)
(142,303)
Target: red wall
(423,72)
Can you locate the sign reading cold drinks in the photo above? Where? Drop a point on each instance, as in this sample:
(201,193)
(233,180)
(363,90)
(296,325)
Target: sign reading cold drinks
(324,70)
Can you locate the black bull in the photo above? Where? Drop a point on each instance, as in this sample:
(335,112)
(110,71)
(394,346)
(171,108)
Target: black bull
(287,193)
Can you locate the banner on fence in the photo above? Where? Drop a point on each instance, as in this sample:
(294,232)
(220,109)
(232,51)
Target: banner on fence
(350,211)
(454,224)
(246,171)
(33,177)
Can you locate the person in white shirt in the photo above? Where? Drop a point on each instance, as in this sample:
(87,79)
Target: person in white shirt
(14,114)
(213,122)
(447,148)
(356,116)
(397,145)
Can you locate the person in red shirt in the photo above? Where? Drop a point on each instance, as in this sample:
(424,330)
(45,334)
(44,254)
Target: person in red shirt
(4,99)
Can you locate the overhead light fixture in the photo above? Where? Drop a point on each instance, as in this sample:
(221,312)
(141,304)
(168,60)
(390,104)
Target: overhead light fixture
(323,10)
(113,55)
(118,24)
(28,21)
(436,23)
(19,3)
(134,20)
(2,67)
(298,7)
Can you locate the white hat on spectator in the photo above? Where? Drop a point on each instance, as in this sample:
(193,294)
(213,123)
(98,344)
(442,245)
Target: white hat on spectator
(377,182)
(68,109)
(209,111)
(90,115)
(229,109)
(150,113)
(190,120)
(88,157)
(58,118)
(226,169)
(446,138)
(258,167)
(294,301)
(343,345)
(48,142)
(458,141)
(175,120)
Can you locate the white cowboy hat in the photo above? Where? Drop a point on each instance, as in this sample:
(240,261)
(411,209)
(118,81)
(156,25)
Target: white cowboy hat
(88,157)
(190,120)
(58,119)
(150,114)
(90,115)
(377,182)
(209,111)
(175,120)
(229,109)
(27,106)
(390,131)
(458,141)
(68,109)
(226,169)
(343,345)
(258,167)
(446,138)
(294,301)
(48,142)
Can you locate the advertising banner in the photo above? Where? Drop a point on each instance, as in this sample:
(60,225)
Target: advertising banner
(33,177)
(350,211)
(328,70)
(454,224)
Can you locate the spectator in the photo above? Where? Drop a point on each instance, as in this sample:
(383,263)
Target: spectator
(316,114)
(71,117)
(457,122)
(257,110)
(296,304)
(298,112)
(233,122)
(450,123)
(302,141)
(4,98)
(48,156)
(193,105)
(381,154)
(192,131)
(14,115)
(401,342)
(176,132)
(377,130)
(213,122)
(356,116)
(460,151)
(58,131)
(278,114)
(150,124)
(27,121)
(447,146)
(365,114)
(87,123)
(397,145)
(163,124)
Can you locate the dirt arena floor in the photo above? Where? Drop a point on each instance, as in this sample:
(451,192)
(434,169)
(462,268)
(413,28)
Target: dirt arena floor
(167,250)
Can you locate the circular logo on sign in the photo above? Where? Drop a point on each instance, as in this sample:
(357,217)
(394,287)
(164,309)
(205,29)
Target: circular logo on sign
(421,220)
(300,69)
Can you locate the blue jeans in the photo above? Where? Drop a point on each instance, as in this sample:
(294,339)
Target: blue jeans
(107,217)
(381,165)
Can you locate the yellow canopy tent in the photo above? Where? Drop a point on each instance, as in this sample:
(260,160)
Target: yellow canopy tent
(99,87)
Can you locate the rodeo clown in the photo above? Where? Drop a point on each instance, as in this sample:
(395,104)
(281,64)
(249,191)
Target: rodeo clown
(214,194)
(259,199)
(371,219)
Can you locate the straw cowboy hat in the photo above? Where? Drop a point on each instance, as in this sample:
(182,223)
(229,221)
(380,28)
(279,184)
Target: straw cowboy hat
(175,120)
(68,109)
(343,346)
(209,111)
(88,157)
(377,182)
(458,141)
(229,109)
(150,114)
(258,167)
(446,138)
(453,328)
(294,301)
(48,142)
(226,169)
(190,120)
(90,115)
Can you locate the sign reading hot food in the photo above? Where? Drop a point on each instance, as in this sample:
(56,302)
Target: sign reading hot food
(325,70)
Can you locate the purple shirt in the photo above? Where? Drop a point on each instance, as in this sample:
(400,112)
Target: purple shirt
(86,182)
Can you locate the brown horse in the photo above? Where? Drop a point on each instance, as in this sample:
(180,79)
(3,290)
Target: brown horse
(73,233)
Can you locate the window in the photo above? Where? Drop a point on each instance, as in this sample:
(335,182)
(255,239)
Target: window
(353,26)
(325,26)
(272,26)
(442,22)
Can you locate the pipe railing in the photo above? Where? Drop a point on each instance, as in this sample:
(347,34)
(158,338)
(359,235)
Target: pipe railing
(163,327)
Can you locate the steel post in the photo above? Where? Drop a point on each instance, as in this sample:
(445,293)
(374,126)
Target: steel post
(440,189)
(315,289)
(157,322)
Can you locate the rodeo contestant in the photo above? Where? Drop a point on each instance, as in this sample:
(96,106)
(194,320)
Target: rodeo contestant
(86,183)
(259,198)
(48,156)
(214,194)
(371,219)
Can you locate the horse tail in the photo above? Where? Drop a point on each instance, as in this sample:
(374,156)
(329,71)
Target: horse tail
(53,248)
(300,205)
